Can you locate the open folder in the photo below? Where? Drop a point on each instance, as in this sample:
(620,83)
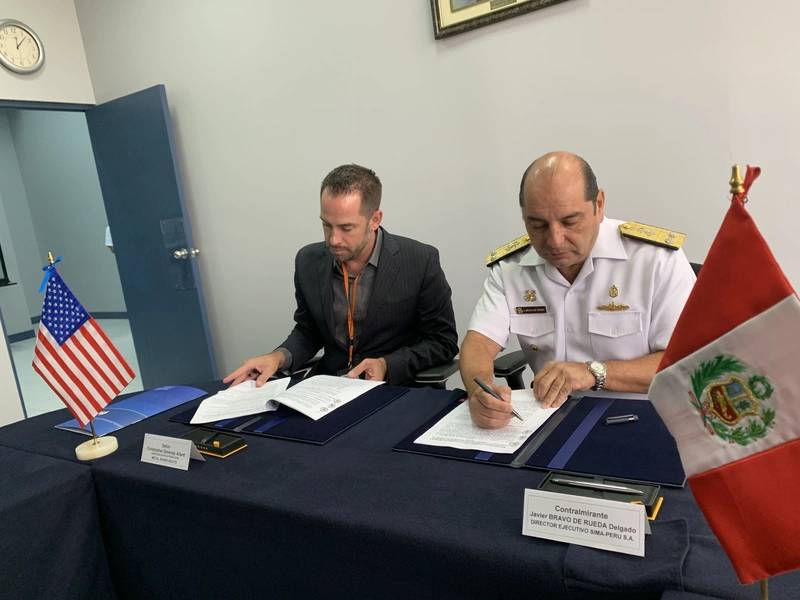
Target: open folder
(576,439)
(284,422)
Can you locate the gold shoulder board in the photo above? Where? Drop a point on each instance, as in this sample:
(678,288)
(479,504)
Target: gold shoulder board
(507,250)
(652,235)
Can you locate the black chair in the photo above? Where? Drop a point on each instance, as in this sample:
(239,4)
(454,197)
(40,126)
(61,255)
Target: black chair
(696,268)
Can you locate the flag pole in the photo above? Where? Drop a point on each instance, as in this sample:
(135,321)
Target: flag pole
(736,181)
(737,188)
(96,447)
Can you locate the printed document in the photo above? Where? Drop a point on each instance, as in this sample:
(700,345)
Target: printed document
(314,396)
(456,429)
(240,400)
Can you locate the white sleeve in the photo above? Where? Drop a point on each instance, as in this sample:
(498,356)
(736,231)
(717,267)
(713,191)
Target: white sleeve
(674,281)
(490,316)
(109,242)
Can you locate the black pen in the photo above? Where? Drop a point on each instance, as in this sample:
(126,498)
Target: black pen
(494,394)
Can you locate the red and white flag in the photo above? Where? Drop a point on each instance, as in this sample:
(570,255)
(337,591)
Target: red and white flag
(728,388)
(74,355)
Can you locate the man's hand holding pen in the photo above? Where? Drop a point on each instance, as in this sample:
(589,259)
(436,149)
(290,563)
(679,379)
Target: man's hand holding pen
(490,410)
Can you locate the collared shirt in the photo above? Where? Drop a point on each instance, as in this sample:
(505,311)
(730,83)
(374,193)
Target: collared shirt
(363,294)
(623,304)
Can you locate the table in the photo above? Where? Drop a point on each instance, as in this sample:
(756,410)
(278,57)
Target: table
(50,540)
(352,519)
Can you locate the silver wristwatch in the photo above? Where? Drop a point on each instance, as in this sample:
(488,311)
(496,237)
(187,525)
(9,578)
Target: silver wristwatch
(597,369)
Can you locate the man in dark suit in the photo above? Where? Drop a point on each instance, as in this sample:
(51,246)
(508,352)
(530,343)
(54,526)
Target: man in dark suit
(379,304)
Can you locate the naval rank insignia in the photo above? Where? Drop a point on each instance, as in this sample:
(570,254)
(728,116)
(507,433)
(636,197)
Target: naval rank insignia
(613,292)
(529,296)
(732,401)
(653,235)
(508,249)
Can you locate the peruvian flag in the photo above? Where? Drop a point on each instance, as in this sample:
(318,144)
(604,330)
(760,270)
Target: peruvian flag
(728,388)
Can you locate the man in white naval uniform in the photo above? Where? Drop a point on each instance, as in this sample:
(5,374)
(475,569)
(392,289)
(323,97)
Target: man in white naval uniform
(592,308)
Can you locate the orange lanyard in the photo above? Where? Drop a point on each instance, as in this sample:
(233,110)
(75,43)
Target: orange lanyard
(351,311)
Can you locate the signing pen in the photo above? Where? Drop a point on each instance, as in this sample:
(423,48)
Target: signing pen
(621,419)
(494,394)
(596,485)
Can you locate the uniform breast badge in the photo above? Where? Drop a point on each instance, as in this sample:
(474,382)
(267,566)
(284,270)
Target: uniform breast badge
(613,292)
(530,296)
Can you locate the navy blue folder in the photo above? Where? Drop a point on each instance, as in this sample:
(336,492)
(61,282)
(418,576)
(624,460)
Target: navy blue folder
(575,439)
(286,423)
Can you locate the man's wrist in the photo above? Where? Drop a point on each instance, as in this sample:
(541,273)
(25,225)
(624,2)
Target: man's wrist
(598,372)
(284,358)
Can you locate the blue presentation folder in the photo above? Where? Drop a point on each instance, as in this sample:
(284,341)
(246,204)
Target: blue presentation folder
(288,424)
(575,439)
(134,408)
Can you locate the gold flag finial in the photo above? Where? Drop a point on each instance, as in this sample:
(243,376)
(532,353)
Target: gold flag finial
(737,183)
(50,258)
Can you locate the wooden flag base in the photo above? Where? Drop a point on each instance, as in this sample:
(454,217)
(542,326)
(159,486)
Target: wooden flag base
(96,448)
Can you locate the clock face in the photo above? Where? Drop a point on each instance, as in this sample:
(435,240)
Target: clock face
(20,48)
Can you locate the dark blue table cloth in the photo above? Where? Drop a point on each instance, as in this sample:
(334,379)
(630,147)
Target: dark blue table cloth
(50,540)
(352,519)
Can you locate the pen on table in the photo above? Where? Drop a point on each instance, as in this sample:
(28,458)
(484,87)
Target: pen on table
(596,485)
(616,419)
(494,394)
(211,435)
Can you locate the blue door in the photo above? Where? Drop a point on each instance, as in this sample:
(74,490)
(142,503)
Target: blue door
(157,260)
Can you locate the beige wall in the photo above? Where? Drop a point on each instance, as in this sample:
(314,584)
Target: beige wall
(64,76)
(266,96)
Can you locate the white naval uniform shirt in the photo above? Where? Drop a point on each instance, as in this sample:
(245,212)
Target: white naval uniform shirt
(564,322)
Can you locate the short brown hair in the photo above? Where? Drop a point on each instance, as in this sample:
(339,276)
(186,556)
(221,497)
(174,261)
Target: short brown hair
(355,178)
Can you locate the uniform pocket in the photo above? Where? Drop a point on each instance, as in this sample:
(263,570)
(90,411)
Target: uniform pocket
(617,335)
(536,334)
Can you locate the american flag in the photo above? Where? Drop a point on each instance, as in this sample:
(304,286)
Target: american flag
(74,355)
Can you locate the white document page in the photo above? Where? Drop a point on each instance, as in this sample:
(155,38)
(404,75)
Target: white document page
(240,400)
(456,429)
(317,396)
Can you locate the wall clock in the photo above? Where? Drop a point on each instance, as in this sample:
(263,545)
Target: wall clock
(21,49)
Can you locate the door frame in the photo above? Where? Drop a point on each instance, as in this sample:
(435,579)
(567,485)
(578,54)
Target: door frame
(79,107)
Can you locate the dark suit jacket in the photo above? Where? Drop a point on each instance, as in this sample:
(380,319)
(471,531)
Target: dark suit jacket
(409,320)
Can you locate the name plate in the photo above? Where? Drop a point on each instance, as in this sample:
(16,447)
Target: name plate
(169,451)
(603,524)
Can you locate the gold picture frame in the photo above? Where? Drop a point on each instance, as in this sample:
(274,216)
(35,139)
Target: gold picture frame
(457,16)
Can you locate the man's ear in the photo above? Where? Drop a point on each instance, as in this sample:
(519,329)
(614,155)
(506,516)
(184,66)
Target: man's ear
(375,220)
(601,204)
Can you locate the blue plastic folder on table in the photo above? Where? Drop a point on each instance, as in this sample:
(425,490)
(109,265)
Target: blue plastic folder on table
(133,409)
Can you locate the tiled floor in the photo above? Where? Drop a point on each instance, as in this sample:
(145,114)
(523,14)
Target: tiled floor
(37,397)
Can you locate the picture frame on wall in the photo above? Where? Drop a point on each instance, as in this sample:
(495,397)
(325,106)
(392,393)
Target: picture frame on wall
(457,16)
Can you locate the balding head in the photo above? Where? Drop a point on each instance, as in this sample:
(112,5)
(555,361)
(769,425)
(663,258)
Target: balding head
(554,198)
(559,167)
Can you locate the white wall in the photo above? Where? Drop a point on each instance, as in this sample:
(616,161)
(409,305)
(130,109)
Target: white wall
(66,204)
(64,76)
(14,242)
(10,403)
(267,96)
(20,225)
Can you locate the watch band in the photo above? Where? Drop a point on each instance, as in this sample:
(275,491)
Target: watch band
(599,376)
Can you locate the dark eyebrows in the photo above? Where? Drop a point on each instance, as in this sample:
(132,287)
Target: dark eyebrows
(324,222)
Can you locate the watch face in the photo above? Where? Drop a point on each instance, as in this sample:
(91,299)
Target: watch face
(597,368)
(20,48)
